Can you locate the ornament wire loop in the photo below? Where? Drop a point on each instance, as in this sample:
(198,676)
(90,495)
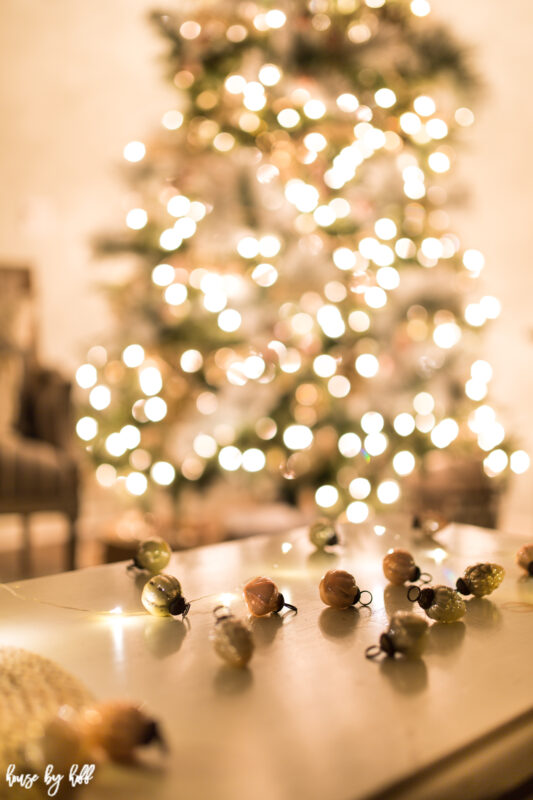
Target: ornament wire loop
(425,577)
(373,651)
(415,597)
(291,607)
(367,604)
(221,612)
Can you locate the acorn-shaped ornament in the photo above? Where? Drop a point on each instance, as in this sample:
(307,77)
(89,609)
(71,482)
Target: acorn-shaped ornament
(152,555)
(338,589)
(399,567)
(406,634)
(118,728)
(232,638)
(440,603)
(322,534)
(481,579)
(162,597)
(524,558)
(262,597)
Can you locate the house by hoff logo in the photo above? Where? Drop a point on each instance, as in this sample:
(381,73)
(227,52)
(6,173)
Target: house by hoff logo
(78,774)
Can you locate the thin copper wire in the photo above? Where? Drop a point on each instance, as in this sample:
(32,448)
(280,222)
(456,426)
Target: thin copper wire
(20,596)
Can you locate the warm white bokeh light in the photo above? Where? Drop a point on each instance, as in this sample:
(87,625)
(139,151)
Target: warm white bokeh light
(87,428)
(326,496)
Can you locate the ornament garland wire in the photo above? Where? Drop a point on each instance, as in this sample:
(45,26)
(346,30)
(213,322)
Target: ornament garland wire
(110,613)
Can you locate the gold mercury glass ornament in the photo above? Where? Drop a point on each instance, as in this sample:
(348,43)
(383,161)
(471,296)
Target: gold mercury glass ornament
(162,597)
(232,638)
(524,558)
(263,597)
(152,555)
(406,634)
(62,743)
(440,603)
(481,579)
(118,728)
(338,589)
(322,533)
(399,567)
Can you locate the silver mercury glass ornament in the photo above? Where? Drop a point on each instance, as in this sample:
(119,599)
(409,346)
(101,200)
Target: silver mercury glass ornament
(440,603)
(232,638)
(406,635)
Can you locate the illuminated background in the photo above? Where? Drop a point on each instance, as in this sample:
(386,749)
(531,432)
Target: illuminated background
(79,81)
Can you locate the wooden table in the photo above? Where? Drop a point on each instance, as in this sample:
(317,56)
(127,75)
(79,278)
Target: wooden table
(311,718)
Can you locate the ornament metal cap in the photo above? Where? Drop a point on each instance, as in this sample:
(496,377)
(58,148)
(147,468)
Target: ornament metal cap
(462,586)
(153,734)
(179,606)
(283,604)
(386,645)
(424,597)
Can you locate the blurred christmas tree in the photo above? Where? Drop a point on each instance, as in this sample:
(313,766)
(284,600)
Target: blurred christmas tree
(298,308)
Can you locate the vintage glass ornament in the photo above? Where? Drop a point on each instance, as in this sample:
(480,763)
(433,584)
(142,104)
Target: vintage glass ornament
(440,603)
(338,589)
(118,728)
(524,558)
(481,579)
(322,534)
(399,567)
(62,743)
(429,522)
(406,634)
(162,597)
(263,597)
(232,638)
(152,555)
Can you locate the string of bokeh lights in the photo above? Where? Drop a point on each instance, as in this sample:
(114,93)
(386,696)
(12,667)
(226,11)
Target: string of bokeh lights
(317,317)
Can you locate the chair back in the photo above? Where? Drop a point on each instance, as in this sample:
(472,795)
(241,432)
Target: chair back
(17,311)
(17,340)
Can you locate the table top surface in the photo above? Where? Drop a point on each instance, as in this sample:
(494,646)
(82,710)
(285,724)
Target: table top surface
(311,717)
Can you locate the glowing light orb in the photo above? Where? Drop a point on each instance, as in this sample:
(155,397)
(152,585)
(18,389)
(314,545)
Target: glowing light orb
(326,496)
(297,437)
(100,397)
(403,462)
(86,376)
(367,365)
(134,151)
(359,488)
(349,445)
(136,218)
(253,460)
(136,483)
(357,511)
(519,461)
(86,428)
(150,380)
(388,492)
(155,409)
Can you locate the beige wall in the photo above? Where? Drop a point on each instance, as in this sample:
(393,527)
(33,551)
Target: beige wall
(79,79)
